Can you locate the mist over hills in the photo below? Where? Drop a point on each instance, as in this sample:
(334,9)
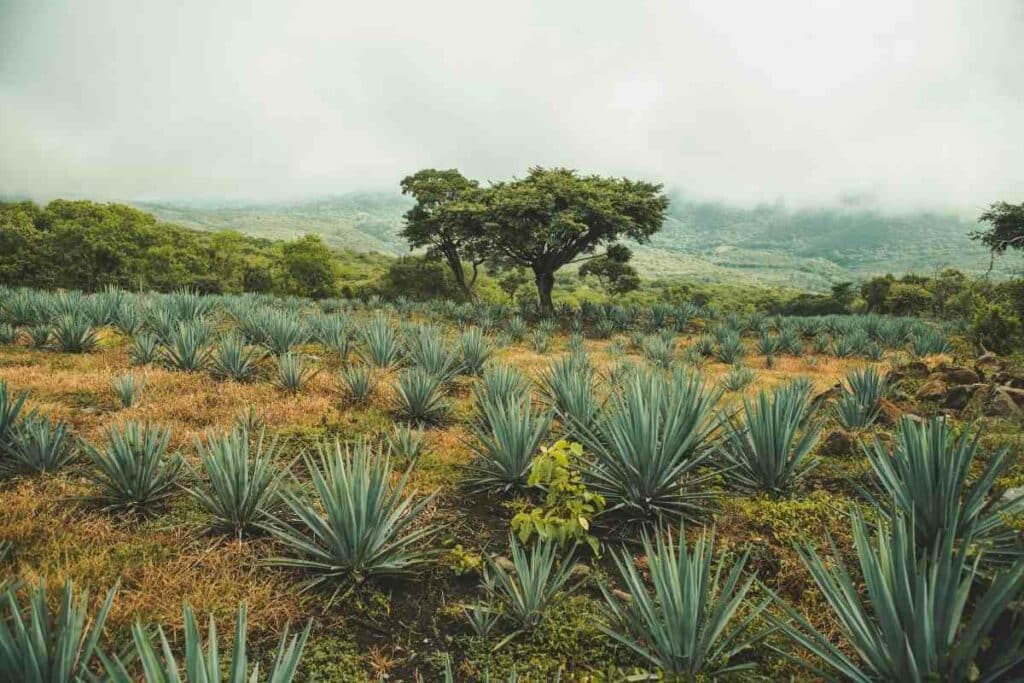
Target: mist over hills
(706,241)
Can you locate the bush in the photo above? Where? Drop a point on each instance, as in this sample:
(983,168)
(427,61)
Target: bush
(996,328)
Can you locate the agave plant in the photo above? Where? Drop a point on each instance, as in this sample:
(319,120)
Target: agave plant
(292,372)
(145,348)
(188,347)
(335,334)
(909,619)
(931,477)
(242,484)
(134,473)
(357,525)
(406,442)
(420,396)
(38,645)
(128,319)
(39,336)
(9,335)
(38,446)
(648,442)
(202,662)
(474,350)
(730,348)
(283,331)
(929,341)
(128,388)
(426,348)
(688,626)
(381,342)
(771,450)
(507,438)
(861,402)
(569,387)
(540,341)
(516,328)
(659,352)
(738,378)
(500,384)
(10,412)
(359,383)
(233,359)
(528,592)
(74,334)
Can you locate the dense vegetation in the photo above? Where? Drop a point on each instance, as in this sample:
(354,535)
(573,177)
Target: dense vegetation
(461,489)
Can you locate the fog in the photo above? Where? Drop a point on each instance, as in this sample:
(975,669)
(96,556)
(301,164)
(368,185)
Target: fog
(899,103)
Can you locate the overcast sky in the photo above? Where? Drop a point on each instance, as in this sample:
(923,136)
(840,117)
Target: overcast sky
(910,103)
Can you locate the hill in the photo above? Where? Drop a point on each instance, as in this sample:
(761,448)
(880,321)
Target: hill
(705,241)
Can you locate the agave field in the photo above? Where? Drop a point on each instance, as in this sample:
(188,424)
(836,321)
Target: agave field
(252,488)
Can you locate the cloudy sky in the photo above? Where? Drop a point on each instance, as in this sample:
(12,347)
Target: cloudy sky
(907,103)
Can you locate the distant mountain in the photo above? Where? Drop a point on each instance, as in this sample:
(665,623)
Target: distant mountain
(806,249)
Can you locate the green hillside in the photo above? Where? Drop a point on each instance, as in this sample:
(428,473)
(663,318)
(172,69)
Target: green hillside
(704,241)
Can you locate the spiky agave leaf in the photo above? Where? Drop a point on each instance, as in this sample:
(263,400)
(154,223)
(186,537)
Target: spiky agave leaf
(861,401)
(145,348)
(235,360)
(74,334)
(128,388)
(133,471)
(505,442)
(420,396)
(687,626)
(911,620)
(358,382)
(357,524)
(292,372)
(929,476)
(41,646)
(426,349)
(241,485)
(536,581)
(474,350)
(382,347)
(648,443)
(188,347)
(770,451)
(38,446)
(11,408)
(569,388)
(407,442)
(202,662)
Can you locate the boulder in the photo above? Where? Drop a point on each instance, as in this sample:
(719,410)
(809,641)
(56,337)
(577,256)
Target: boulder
(957,374)
(1012,397)
(931,390)
(957,397)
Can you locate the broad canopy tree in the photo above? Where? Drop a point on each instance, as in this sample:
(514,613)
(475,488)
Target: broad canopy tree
(1007,227)
(547,220)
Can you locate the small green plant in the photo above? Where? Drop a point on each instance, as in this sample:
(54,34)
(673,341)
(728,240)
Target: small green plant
(406,442)
(188,348)
(359,383)
(233,359)
(738,378)
(382,346)
(8,334)
(568,507)
(145,348)
(464,562)
(507,438)
(861,401)
(10,412)
(420,397)
(540,341)
(38,446)
(133,472)
(128,388)
(74,334)
(293,373)
(39,336)
(474,350)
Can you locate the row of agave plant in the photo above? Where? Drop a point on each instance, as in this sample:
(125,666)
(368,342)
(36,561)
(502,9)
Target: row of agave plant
(653,447)
(68,321)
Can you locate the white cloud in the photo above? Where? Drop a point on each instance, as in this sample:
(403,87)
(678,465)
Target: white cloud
(914,102)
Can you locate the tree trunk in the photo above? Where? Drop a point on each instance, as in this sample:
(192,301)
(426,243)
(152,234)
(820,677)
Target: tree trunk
(545,283)
(455,265)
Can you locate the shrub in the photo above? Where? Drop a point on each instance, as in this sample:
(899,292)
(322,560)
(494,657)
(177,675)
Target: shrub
(730,348)
(771,450)
(134,473)
(568,507)
(686,626)
(357,524)
(242,485)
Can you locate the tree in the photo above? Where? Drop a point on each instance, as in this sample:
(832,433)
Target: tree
(442,220)
(512,281)
(309,268)
(417,278)
(907,298)
(875,291)
(553,216)
(612,270)
(1007,227)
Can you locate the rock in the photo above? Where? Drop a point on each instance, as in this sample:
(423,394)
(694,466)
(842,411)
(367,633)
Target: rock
(916,369)
(1013,398)
(622,595)
(931,390)
(958,375)
(958,397)
(839,442)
